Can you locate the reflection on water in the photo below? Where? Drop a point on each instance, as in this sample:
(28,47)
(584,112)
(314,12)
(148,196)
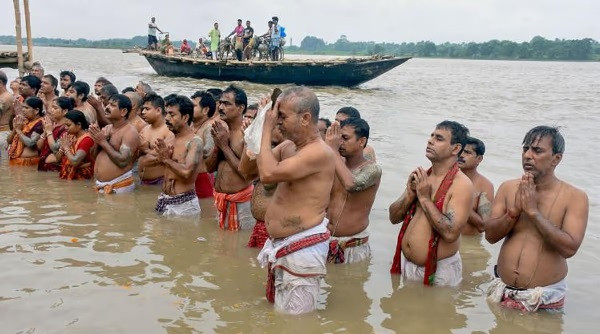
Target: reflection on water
(73,261)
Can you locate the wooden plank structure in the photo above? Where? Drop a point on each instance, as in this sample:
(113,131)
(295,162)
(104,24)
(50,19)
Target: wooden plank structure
(347,72)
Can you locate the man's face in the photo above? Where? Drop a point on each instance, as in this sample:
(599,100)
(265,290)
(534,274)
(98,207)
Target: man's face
(216,26)
(288,121)
(46,86)
(239,22)
(250,114)
(228,110)
(322,126)
(154,20)
(38,72)
(72,93)
(537,157)
(174,120)
(104,97)
(350,144)
(341,117)
(65,82)
(14,85)
(25,90)
(97,87)
(112,111)
(200,114)
(150,113)
(248,24)
(438,145)
(468,158)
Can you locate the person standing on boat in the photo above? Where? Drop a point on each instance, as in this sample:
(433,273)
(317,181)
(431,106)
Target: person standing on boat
(248,36)
(238,44)
(152,28)
(542,220)
(215,38)
(275,38)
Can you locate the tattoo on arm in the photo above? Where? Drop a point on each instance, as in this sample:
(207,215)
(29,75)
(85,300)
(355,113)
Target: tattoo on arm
(446,222)
(365,177)
(484,208)
(127,155)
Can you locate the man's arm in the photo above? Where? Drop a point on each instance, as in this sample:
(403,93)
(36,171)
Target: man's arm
(500,222)
(193,157)
(566,239)
(248,168)
(97,105)
(449,223)
(124,156)
(365,178)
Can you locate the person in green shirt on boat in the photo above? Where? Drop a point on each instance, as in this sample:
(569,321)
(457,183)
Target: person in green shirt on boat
(215,37)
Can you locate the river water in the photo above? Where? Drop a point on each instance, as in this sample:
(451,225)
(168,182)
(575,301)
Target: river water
(76,262)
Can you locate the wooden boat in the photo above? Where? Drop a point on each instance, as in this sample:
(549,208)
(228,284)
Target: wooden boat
(340,72)
(9,59)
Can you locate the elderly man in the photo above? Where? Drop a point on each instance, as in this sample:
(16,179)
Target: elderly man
(542,220)
(296,216)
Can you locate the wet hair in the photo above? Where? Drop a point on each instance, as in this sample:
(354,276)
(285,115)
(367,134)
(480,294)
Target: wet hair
(36,103)
(53,80)
(155,100)
(3,78)
(127,89)
(206,100)
(253,106)
(77,117)
(123,102)
(185,105)
(81,87)
(65,103)
(239,96)
(34,82)
(459,133)
(361,127)
(145,87)
(304,100)
(349,111)
(70,74)
(539,132)
(478,145)
(103,81)
(109,89)
(215,92)
(327,122)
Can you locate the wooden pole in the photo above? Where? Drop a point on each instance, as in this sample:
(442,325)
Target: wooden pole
(28,28)
(19,40)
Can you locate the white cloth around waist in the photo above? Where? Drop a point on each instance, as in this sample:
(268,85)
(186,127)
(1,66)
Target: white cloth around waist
(124,176)
(448,271)
(532,298)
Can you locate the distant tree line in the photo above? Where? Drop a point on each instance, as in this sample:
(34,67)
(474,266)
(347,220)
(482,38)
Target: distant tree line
(538,48)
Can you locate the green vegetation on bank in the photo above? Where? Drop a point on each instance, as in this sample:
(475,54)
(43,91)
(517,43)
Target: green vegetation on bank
(538,48)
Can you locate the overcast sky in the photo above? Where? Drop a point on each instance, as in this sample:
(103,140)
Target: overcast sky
(370,20)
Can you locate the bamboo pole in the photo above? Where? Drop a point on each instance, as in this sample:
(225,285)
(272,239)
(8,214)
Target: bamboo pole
(19,40)
(28,28)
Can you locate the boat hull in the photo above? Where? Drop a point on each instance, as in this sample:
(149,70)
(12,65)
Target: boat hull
(350,72)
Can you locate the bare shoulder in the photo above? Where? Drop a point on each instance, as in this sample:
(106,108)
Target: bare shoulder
(462,182)
(574,194)
(510,185)
(145,130)
(288,149)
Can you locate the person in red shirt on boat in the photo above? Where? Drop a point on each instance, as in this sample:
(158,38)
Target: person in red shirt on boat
(185,47)
(27,130)
(76,148)
(433,210)
(542,220)
(54,127)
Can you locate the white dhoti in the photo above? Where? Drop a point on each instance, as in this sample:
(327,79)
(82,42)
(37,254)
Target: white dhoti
(184,204)
(448,271)
(118,185)
(298,272)
(529,300)
(355,248)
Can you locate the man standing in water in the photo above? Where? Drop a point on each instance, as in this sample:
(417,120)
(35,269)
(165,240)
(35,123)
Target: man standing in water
(428,242)
(6,111)
(468,162)
(204,110)
(153,112)
(542,220)
(232,191)
(182,159)
(297,251)
(353,193)
(79,91)
(48,90)
(118,143)
(347,112)
(66,79)
(134,116)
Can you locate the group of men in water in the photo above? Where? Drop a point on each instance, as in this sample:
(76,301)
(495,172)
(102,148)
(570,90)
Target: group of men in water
(242,46)
(307,192)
